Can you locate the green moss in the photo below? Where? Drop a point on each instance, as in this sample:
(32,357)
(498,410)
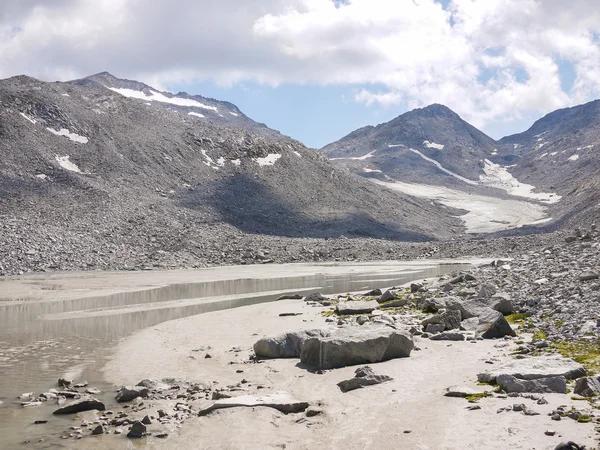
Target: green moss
(329,313)
(516,317)
(476,397)
(585,352)
(519,342)
(539,335)
(584,419)
(559,323)
(578,398)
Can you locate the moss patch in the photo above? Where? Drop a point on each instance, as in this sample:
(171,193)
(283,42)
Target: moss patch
(476,397)
(585,352)
(540,335)
(584,419)
(516,317)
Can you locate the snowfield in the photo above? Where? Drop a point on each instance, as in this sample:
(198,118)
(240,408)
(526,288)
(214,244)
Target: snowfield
(158,97)
(196,114)
(498,177)
(485,214)
(64,162)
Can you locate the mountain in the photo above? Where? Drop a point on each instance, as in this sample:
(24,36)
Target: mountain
(560,152)
(93,178)
(196,106)
(404,147)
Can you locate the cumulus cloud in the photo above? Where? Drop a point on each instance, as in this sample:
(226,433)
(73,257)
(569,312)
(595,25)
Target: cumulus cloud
(490,60)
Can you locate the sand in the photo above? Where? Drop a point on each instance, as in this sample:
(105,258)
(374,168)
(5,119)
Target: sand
(409,412)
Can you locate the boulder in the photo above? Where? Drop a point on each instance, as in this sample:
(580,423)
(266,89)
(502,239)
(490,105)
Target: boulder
(502,303)
(395,303)
(435,328)
(587,387)
(487,290)
(492,325)
(356,307)
(138,430)
(387,296)
(129,393)
(535,367)
(510,383)
(353,346)
(373,293)
(281,401)
(286,345)
(290,297)
(83,404)
(364,377)
(450,319)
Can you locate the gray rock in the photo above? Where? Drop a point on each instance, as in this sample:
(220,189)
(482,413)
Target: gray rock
(287,345)
(435,328)
(510,383)
(129,393)
(354,346)
(502,303)
(281,401)
(98,430)
(448,336)
(138,430)
(313,411)
(83,404)
(395,303)
(470,324)
(361,320)
(364,377)
(356,307)
(587,387)
(492,325)
(387,296)
(373,293)
(290,297)
(487,290)
(588,275)
(450,319)
(535,367)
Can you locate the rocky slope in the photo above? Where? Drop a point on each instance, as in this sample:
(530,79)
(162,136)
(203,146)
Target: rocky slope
(93,179)
(404,147)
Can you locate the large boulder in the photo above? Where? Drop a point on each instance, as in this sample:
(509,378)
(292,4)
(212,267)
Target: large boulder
(587,387)
(450,319)
(85,403)
(353,346)
(356,307)
(535,367)
(546,385)
(129,393)
(492,324)
(286,345)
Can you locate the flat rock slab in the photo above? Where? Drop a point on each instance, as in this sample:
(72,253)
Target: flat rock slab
(356,307)
(463,391)
(129,393)
(360,382)
(355,345)
(538,386)
(534,368)
(286,345)
(281,401)
(448,336)
(83,404)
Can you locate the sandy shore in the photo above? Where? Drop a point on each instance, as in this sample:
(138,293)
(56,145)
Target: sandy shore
(409,412)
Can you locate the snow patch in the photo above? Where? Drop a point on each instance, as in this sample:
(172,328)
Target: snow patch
(367,170)
(433,145)
(42,176)
(543,155)
(297,154)
(498,177)
(195,114)
(65,95)
(33,121)
(221,162)
(209,161)
(268,160)
(64,162)
(541,145)
(233,114)
(553,153)
(72,136)
(443,169)
(358,158)
(574,158)
(236,162)
(158,97)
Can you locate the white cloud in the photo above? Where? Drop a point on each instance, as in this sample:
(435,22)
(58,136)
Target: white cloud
(490,60)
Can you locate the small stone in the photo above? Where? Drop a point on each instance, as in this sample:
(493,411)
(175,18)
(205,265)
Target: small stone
(98,430)
(550,432)
(407,431)
(137,430)
(313,411)
(146,420)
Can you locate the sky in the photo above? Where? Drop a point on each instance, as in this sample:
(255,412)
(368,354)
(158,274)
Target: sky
(319,69)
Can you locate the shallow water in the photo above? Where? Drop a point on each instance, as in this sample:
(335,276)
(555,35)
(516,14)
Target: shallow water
(41,341)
